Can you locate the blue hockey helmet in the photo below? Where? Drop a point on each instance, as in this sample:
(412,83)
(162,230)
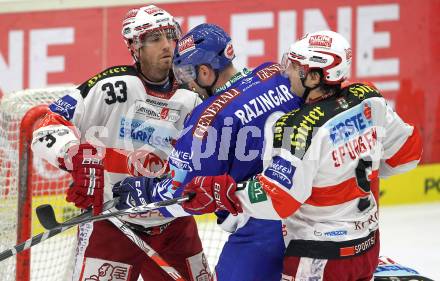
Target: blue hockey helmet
(205,44)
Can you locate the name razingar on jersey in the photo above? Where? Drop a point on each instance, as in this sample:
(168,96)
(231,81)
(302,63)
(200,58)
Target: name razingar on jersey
(263,103)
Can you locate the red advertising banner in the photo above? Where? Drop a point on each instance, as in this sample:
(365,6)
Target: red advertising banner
(396,45)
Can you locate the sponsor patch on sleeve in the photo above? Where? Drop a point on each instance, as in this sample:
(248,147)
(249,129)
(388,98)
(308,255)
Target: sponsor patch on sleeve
(64,106)
(281,171)
(256,192)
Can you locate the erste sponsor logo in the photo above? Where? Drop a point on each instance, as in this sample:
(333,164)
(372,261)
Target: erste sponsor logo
(352,123)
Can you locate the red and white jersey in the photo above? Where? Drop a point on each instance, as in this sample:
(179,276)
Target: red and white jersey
(136,123)
(323,176)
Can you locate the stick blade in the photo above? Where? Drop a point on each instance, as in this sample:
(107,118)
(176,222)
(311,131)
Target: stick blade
(46,216)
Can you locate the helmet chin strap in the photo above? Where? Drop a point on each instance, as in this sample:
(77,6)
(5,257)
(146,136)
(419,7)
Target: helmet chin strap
(307,89)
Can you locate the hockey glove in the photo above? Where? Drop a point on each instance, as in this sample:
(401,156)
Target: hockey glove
(88,178)
(212,193)
(133,191)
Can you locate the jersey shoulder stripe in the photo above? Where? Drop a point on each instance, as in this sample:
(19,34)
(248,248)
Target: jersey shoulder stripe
(298,126)
(120,70)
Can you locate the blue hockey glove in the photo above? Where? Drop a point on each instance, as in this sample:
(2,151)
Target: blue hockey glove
(133,191)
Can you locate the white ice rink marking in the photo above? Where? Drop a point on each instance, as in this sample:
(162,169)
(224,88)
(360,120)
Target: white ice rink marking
(410,235)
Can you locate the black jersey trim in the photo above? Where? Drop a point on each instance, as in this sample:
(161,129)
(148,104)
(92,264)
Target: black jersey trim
(113,71)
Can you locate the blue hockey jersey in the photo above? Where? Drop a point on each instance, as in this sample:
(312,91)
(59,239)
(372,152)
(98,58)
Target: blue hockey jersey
(227,133)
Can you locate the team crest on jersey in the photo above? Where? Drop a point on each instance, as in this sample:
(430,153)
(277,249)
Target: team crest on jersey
(65,107)
(102,270)
(342,103)
(146,163)
(281,171)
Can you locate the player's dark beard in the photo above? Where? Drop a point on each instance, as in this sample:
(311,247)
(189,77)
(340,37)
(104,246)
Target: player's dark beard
(154,72)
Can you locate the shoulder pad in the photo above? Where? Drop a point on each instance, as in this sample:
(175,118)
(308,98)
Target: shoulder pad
(361,91)
(113,71)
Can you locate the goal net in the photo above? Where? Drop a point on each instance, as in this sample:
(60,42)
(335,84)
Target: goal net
(27,182)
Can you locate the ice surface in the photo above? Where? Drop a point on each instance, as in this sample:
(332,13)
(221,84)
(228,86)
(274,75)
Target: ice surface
(410,235)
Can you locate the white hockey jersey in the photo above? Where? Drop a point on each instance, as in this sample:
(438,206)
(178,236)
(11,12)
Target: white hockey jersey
(115,109)
(328,156)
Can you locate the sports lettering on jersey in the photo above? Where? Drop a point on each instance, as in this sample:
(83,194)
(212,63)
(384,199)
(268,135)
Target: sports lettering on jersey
(106,73)
(268,71)
(361,90)
(210,113)
(299,130)
(263,103)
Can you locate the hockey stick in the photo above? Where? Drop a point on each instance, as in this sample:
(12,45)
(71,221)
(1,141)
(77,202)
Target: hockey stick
(48,234)
(46,214)
(171,271)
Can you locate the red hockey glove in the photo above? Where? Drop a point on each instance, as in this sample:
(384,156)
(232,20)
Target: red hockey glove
(88,178)
(212,193)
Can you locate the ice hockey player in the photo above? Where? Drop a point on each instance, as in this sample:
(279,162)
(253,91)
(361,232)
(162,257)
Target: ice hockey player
(136,112)
(225,134)
(326,163)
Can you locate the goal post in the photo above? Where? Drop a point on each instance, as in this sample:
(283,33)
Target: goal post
(27,181)
(24,195)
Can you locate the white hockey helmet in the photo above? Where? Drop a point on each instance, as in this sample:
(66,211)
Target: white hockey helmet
(326,50)
(139,23)
(128,26)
